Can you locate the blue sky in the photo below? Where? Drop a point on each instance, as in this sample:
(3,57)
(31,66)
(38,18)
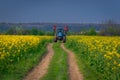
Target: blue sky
(61,11)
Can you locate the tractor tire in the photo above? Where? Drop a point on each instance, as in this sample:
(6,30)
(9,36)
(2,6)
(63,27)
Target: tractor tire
(55,40)
(64,39)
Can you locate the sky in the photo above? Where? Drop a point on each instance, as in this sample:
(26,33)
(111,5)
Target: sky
(60,11)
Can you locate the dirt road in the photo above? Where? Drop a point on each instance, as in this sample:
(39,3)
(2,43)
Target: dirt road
(41,69)
(74,72)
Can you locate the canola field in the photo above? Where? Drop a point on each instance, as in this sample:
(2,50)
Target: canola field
(101,54)
(98,53)
(13,48)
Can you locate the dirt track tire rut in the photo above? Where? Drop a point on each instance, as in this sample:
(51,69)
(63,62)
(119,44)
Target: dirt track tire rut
(73,70)
(41,69)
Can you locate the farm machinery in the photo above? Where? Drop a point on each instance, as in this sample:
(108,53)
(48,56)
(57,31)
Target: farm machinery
(60,33)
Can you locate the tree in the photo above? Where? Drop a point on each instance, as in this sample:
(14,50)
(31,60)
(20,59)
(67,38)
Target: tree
(34,31)
(112,28)
(19,30)
(26,32)
(40,32)
(83,31)
(92,31)
(11,30)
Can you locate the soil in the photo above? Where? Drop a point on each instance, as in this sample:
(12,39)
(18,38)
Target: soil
(41,69)
(74,73)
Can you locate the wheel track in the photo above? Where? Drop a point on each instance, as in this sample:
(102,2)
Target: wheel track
(41,69)
(74,73)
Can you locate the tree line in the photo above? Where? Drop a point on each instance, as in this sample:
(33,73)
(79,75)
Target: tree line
(110,28)
(17,30)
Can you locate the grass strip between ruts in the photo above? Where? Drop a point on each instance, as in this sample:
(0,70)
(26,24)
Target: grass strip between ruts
(58,68)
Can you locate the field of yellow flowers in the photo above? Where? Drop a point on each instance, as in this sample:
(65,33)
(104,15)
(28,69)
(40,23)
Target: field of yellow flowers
(100,54)
(13,48)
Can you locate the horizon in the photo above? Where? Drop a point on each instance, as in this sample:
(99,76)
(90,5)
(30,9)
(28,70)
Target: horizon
(64,22)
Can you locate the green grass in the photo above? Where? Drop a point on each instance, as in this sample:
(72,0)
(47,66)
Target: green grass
(58,68)
(18,70)
(88,72)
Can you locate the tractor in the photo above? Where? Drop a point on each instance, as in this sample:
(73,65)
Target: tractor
(60,34)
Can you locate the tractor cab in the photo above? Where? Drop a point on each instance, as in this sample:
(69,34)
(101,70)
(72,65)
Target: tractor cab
(60,34)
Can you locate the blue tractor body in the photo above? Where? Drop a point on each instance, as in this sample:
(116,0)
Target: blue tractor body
(60,35)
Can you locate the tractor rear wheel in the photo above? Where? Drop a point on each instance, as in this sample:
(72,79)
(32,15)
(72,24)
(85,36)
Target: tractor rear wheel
(64,39)
(55,39)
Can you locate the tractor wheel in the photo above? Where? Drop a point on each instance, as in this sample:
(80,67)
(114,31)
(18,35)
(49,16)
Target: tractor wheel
(64,39)
(55,40)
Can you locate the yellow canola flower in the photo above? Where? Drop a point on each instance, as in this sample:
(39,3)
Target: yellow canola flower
(118,65)
(11,45)
(107,48)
